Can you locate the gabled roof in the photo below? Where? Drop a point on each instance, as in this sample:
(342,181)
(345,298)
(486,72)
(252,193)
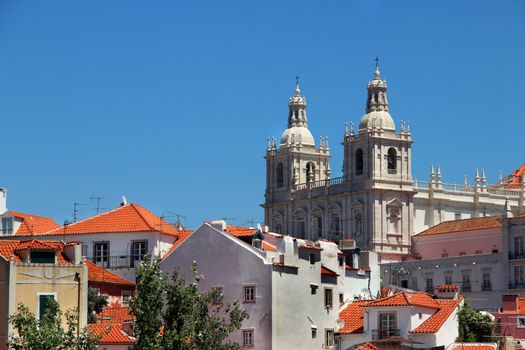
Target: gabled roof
(240,231)
(101,275)
(406,299)
(352,315)
(110,334)
(12,248)
(462,225)
(127,218)
(115,315)
(434,322)
(33,224)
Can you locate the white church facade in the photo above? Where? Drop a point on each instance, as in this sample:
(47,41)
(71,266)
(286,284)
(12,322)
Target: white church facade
(376,202)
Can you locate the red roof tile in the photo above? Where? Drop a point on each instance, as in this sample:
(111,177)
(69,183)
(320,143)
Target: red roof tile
(327,272)
(127,218)
(240,231)
(434,322)
(447,288)
(513,180)
(115,315)
(406,299)
(474,346)
(367,346)
(462,225)
(352,315)
(32,224)
(99,274)
(268,247)
(110,334)
(10,248)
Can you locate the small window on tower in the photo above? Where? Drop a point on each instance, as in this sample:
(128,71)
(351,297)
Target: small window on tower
(392,160)
(280,175)
(359,162)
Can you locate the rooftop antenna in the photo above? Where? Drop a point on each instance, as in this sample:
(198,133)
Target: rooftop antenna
(251,221)
(124,201)
(179,224)
(228,219)
(76,210)
(98,200)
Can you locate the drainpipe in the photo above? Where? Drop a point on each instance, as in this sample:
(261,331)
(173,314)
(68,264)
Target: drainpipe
(77,278)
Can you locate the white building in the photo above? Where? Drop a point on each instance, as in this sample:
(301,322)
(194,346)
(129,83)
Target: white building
(291,288)
(416,319)
(376,202)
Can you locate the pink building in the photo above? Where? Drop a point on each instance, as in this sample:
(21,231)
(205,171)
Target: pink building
(510,319)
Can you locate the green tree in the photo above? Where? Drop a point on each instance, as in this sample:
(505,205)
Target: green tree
(189,319)
(49,333)
(96,304)
(473,325)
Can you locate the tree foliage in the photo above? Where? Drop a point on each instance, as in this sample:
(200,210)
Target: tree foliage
(96,304)
(49,333)
(188,319)
(473,325)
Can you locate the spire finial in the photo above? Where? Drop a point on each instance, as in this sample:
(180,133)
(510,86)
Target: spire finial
(376,73)
(297,89)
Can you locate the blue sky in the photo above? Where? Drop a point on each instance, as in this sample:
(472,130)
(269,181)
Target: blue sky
(170,102)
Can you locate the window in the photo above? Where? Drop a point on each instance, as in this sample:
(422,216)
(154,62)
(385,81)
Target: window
(126,297)
(341,298)
(101,254)
(521,321)
(429,285)
(518,246)
(329,338)
(358,223)
(457,216)
(313,289)
(392,160)
(217,295)
(404,283)
(314,332)
(341,261)
(387,326)
(414,282)
(249,294)
(42,257)
(466,287)
(359,162)
(328,300)
(487,285)
(7,226)
(280,175)
(312,259)
(335,225)
(43,303)
(310,172)
(448,280)
(420,315)
(247,337)
(138,250)
(518,276)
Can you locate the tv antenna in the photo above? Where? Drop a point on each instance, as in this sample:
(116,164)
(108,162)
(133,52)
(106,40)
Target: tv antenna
(98,200)
(76,210)
(178,223)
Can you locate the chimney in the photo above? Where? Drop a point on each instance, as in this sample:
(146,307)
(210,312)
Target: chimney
(219,225)
(3,200)
(73,252)
(446,291)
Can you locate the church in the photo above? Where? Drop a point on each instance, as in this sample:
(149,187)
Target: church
(376,202)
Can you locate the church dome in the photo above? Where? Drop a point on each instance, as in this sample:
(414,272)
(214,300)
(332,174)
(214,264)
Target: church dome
(297,134)
(378,119)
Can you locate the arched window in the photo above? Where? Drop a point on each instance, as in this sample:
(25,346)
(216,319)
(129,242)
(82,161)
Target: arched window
(280,175)
(358,222)
(392,160)
(310,172)
(359,162)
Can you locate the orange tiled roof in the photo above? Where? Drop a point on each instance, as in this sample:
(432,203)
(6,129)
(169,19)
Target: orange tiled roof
(352,315)
(127,218)
(115,315)
(406,299)
(367,346)
(110,334)
(32,224)
(10,248)
(434,322)
(474,346)
(99,274)
(269,247)
(327,272)
(447,288)
(513,179)
(183,234)
(463,225)
(240,231)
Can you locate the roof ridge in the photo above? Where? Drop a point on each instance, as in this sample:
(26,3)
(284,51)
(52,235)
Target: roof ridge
(134,206)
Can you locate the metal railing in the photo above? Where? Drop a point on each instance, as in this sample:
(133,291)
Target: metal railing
(466,287)
(378,334)
(514,256)
(117,262)
(516,285)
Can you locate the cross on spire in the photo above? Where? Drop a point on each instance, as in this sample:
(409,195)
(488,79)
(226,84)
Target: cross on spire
(297,89)
(376,73)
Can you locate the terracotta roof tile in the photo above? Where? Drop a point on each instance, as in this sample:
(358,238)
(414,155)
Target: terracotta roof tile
(462,225)
(268,247)
(513,180)
(352,315)
(99,274)
(33,224)
(327,272)
(406,299)
(115,315)
(240,231)
(434,322)
(367,346)
(10,248)
(127,218)
(474,346)
(447,288)
(110,334)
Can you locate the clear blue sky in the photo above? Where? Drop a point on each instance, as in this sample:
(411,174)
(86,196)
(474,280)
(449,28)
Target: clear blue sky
(170,102)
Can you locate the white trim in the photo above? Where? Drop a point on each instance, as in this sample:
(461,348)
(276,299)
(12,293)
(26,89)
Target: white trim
(38,295)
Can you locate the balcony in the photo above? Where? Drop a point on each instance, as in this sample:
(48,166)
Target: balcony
(117,262)
(486,287)
(514,256)
(378,334)
(516,285)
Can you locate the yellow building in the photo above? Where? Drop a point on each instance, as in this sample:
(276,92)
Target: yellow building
(33,271)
